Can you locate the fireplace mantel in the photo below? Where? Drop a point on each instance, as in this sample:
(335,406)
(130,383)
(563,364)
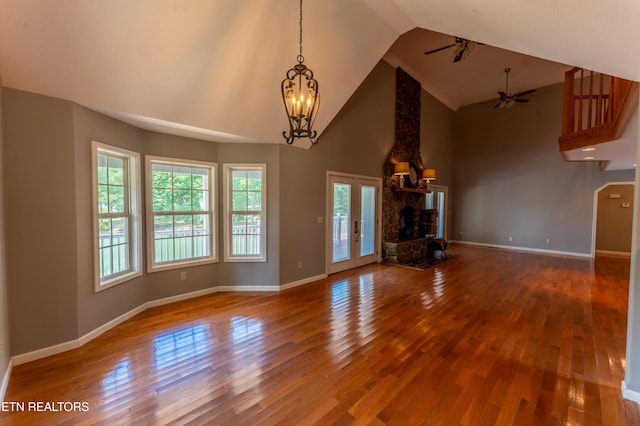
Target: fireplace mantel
(416,190)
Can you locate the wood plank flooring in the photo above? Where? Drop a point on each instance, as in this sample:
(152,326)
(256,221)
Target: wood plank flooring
(489,337)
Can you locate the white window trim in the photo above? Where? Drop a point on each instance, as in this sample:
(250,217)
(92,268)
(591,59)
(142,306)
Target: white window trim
(134,212)
(213,197)
(228,257)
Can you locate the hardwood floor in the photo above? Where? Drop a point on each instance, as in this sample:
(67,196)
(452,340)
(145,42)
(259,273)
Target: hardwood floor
(489,337)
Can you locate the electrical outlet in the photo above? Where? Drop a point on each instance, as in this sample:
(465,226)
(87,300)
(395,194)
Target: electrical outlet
(299,264)
(510,238)
(183,276)
(320,219)
(548,240)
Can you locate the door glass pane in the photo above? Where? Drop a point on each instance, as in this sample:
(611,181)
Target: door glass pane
(429,201)
(341,221)
(441,213)
(367,220)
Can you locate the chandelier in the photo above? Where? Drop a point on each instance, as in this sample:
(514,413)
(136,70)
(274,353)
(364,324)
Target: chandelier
(301,99)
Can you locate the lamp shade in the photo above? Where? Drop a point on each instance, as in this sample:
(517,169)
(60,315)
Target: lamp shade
(429,174)
(401,168)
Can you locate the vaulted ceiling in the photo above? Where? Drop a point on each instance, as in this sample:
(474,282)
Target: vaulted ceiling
(212,68)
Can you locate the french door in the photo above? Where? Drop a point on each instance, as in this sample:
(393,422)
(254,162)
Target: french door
(353,231)
(437,199)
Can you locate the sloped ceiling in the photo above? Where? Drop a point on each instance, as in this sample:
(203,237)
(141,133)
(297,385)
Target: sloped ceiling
(212,68)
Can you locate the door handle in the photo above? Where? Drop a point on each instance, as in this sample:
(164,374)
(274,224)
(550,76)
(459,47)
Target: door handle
(355,229)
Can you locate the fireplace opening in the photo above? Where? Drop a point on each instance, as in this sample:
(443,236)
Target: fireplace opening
(406,225)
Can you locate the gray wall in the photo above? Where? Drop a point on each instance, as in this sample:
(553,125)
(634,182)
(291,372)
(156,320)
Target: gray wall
(51,139)
(436,145)
(4,307)
(95,309)
(510,179)
(357,141)
(614,222)
(162,284)
(40,212)
(255,273)
(47,159)
(502,167)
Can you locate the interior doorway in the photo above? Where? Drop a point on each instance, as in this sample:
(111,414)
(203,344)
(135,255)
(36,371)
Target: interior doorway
(353,228)
(613,219)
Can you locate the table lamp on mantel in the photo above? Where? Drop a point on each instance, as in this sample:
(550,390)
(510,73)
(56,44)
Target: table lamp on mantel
(428,175)
(401,169)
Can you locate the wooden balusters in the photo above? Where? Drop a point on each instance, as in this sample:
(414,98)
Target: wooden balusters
(594,113)
(580,100)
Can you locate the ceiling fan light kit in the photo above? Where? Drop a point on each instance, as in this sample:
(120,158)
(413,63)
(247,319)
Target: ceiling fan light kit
(508,99)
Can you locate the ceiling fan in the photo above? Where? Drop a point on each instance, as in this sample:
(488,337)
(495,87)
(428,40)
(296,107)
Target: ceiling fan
(507,99)
(463,48)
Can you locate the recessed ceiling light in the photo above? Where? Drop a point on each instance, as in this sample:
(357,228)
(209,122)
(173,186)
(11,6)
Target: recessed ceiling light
(589,158)
(588,149)
(634,164)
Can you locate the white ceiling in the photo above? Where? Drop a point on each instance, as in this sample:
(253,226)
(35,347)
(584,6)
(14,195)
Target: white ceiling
(212,68)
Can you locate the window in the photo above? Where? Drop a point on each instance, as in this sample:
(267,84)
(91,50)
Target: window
(245,204)
(180,213)
(116,184)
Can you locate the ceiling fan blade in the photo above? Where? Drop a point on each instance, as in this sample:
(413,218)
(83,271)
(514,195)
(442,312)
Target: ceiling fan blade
(439,49)
(458,56)
(497,105)
(526,92)
(521,100)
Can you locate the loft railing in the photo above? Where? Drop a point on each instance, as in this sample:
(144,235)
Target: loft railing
(595,107)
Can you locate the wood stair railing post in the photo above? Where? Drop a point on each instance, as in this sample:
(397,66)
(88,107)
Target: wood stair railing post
(568,108)
(581,100)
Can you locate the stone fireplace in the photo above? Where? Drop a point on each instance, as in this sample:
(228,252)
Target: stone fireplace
(403,235)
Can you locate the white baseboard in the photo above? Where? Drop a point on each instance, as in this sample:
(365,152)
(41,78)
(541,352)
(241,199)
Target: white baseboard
(45,352)
(303,281)
(244,288)
(525,249)
(106,327)
(5,380)
(180,297)
(76,343)
(629,394)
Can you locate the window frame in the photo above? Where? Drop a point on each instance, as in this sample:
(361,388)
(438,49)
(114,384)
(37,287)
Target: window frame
(134,214)
(212,168)
(228,168)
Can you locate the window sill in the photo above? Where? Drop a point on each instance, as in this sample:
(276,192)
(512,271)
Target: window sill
(180,265)
(103,285)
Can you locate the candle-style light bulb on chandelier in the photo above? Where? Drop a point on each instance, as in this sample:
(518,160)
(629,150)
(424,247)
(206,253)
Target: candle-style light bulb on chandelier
(301,99)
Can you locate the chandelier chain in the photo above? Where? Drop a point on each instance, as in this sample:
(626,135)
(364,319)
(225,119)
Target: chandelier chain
(300,57)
